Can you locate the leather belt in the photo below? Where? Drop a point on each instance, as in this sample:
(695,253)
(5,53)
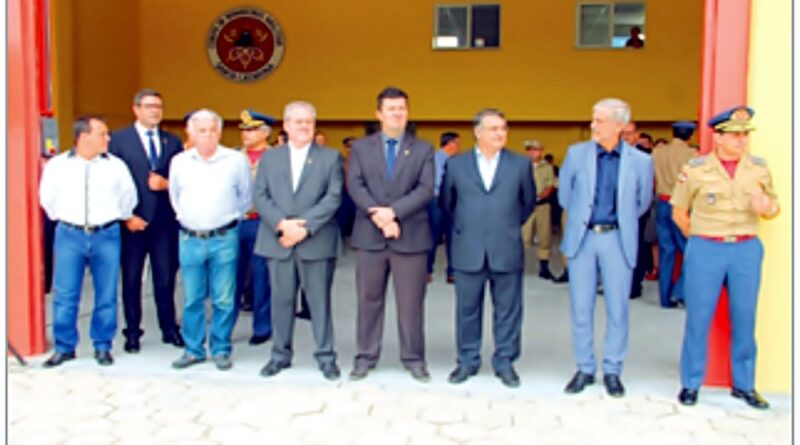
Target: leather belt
(664,197)
(728,239)
(89,229)
(251,215)
(603,228)
(211,233)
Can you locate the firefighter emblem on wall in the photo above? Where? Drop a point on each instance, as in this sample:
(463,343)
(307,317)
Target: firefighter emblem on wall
(245,44)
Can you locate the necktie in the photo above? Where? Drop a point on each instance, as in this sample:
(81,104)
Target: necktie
(391,154)
(152,149)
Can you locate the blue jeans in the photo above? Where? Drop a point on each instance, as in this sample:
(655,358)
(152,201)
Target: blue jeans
(208,267)
(440,227)
(74,250)
(257,265)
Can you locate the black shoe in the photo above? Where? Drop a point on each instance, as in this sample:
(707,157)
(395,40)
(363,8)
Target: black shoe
(360,371)
(420,374)
(58,358)
(132,345)
(563,278)
(687,397)
(751,397)
(247,306)
(544,270)
(103,358)
(272,368)
(174,339)
(579,381)
(187,360)
(461,374)
(330,371)
(304,314)
(636,293)
(259,339)
(223,362)
(613,385)
(508,376)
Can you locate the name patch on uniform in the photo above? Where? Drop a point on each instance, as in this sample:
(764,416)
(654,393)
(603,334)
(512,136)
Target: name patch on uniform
(712,198)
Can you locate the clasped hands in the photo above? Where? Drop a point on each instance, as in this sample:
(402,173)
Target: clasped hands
(384,219)
(292,232)
(157,182)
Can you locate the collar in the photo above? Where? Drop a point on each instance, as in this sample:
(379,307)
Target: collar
(219,153)
(602,151)
(143,131)
(302,149)
(385,138)
(479,154)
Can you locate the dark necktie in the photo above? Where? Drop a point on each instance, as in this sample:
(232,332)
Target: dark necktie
(152,149)
(391,154)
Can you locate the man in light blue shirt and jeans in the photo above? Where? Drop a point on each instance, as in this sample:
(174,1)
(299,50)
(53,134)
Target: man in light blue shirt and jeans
(210,188)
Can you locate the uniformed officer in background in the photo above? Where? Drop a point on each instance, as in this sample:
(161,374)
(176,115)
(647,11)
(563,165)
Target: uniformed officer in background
(717,202)
(538,224)
(667,163)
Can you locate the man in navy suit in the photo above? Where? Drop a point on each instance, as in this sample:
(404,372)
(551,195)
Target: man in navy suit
(605,185)
(489,193)
(147,151)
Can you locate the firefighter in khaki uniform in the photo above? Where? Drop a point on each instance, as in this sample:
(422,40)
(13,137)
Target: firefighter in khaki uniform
(539,222)
(667,163)
(717,202)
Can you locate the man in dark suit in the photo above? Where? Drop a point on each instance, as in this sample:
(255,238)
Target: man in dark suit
(297,192)
(489,193)
(390,178)
(605,185)
(147,151)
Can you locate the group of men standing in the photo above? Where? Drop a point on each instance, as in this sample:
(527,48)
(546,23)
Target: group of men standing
(203,209)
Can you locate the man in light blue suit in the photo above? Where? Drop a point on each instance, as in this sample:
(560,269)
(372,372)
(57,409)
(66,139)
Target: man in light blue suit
(605,185)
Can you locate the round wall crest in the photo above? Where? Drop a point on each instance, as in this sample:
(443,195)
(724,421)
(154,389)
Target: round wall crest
(245,44)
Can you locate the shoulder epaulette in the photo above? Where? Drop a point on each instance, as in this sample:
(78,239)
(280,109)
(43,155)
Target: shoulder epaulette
(697,161)
(758,161)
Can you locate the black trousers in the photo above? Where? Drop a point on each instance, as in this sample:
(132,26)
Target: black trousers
(160,241)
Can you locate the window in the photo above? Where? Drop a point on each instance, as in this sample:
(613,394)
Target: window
(467,26)
(611,25)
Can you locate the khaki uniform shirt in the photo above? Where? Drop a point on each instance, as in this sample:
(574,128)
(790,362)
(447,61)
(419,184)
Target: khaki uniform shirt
(719,205)
(543,176)
(667,163)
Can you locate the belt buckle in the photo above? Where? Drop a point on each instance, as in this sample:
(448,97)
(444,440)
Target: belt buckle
(729,239)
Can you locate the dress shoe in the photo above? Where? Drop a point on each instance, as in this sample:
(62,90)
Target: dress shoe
(103,358)
(330,371)
(420,374)
(508,376)
(563,278)
(222,361)
(174,339)
(687,397)
(259,339)
(751,397)
(461,374)
(451,279)
(613,385)
(273,367)
(544,270)
(132,345)
(636,293)
(187,360)
(579,381)
(360,371)
(58,358)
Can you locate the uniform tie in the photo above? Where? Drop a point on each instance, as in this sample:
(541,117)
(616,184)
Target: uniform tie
(391,155)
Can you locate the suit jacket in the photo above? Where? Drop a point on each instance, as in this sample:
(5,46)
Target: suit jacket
(316,200)
(126,144)
(408,193)
(576,188)
(486,224)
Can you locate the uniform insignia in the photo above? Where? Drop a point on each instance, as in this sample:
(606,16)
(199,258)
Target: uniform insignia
(682,177)
(758,161)
(697,161)
(712,198)
(406,152)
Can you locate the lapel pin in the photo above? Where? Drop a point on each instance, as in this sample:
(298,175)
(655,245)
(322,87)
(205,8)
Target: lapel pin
(308,162)
(406,152)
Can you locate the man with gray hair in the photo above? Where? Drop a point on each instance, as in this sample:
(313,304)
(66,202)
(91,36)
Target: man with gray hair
(605,185)
(210,189)
(297,192)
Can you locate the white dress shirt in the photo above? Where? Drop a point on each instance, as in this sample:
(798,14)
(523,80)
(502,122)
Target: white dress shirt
(487,168)
(142,131)
(209,193)
(297,160)
(87,192)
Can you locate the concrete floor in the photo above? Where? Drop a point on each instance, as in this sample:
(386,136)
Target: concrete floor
(650,376)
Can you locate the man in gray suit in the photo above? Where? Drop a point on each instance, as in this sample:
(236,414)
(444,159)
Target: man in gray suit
(390,178)
(489,193)
(297,191)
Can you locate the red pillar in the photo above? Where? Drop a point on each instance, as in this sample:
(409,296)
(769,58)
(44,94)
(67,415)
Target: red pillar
(25,272)
(726,36)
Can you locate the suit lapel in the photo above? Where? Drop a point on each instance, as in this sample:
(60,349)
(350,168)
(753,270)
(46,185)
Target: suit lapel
(624,166)
(402,155)
(140,152)
(501,160)
(591,160)
(286,171)
(475,171)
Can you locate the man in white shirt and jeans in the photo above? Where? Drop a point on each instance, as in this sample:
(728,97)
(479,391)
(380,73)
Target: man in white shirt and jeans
(210,190)
(88,191)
